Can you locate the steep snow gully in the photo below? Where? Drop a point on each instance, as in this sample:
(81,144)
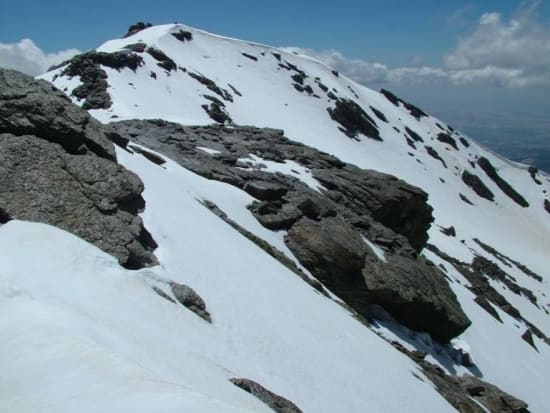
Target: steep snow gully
(345,251)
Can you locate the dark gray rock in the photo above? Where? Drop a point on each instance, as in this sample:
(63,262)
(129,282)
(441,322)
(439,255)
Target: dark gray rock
(57,167)
(434,154)
(477,185)
(353,119)
(504,186)
(448,139)
(35,107)
(137,27)
(162,59)
(490,396)
(416,294)
(392,202)
(92,197)
(191,300)
(265,191)
(183,35)
(335,253)
(278,403)
(88,67)
(325,227)
(413,110)
(467,394)
(415,136)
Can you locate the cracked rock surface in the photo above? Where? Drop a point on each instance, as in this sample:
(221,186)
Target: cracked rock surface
(58,167)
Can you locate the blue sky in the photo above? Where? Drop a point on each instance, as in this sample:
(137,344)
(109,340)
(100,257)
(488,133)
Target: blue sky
(391,31)
(454,58)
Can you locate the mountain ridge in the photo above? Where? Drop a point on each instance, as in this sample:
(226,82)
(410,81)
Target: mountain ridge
(265,323)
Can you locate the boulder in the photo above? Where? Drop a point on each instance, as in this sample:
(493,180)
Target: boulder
(190,299)
(416,294)
(57,167)
(35,107)
(277,403)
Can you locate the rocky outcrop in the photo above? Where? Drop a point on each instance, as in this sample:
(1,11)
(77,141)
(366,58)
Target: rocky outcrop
(57,167)
(417,294)
(413,110)
(504,186)
(490,396)
(328,225)
(354,120)
(136,28)
(35,107)
(190,299)
(335,253)
(477,185)
(87,66)
(277,403)
(446,138)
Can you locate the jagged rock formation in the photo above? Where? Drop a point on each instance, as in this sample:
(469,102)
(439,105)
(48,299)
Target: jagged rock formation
(58,167)
(87,66)
(327,226)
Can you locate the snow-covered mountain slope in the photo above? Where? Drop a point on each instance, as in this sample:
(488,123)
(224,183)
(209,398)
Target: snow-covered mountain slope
(104,339)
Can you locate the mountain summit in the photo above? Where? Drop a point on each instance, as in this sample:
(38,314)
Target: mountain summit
(303,243)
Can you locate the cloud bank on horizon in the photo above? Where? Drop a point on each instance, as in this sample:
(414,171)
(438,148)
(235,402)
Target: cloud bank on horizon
(28,58)
(511,53)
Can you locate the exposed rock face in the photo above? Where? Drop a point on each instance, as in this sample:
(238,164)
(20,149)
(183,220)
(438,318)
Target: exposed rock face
(35,107)
(94,86)
(491,396)
(446,138)
(136,28)
(335,253)
(326,227)
(504,186)
(57,167)
(417,294)
(413,110)
(278,403)
(477,185)
(354,119)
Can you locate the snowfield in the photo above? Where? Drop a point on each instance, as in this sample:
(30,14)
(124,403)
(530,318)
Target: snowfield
(84,334)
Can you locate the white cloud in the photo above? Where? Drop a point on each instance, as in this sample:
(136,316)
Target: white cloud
(520,43)
(510,53)
(28,58)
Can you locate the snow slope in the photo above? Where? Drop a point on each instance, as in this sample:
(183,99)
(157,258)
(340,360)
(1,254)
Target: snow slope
(132,347)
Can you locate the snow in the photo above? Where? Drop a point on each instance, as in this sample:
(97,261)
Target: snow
(209,151)
(268,324)
(105,340)
(288,167)
(378,251)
